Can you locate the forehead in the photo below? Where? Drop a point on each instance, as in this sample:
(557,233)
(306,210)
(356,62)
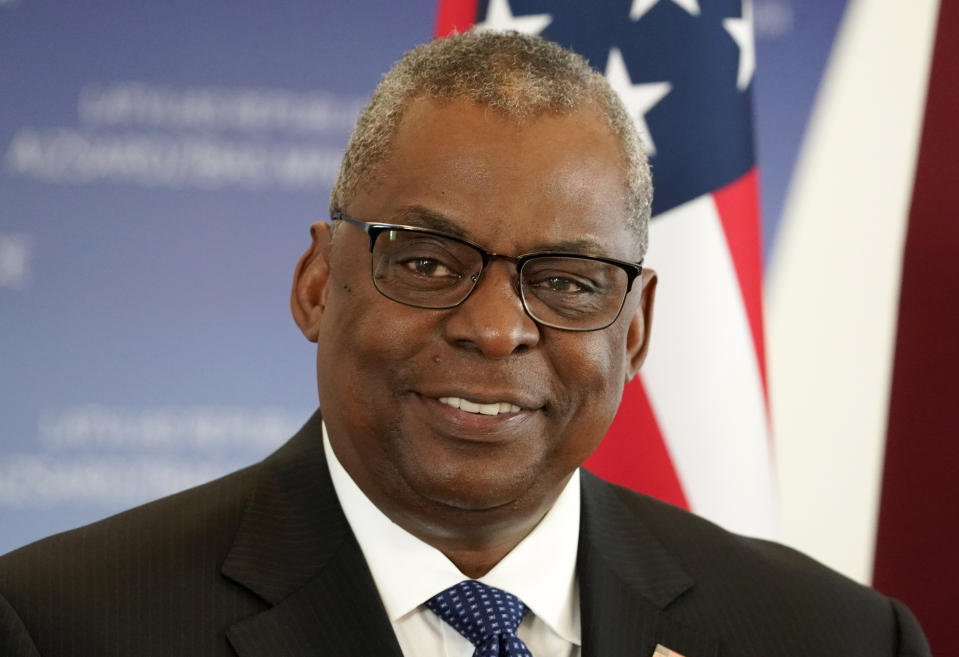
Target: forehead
(510,185)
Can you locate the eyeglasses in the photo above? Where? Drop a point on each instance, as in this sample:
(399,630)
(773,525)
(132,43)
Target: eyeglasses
(428,269)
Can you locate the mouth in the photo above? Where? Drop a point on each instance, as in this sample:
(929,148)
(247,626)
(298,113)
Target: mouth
(479,416)
(494,408)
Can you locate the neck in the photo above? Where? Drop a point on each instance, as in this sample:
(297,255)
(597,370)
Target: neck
(475,541)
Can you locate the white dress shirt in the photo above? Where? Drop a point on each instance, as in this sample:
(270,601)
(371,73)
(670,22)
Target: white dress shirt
(540,571)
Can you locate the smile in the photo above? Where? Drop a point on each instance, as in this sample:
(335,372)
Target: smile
(482,409)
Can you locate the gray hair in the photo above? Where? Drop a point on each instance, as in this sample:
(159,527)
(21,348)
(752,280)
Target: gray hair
(519,75)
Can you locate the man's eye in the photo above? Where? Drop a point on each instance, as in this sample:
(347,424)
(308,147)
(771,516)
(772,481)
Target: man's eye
(562,285)
(428,267)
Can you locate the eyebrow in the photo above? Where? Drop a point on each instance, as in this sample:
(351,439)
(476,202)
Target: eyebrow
(576,247)
(422,217)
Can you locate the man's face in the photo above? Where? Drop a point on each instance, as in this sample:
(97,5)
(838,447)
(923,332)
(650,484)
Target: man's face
(553,184)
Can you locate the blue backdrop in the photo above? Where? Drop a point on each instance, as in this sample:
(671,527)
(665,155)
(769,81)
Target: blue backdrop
(161,164)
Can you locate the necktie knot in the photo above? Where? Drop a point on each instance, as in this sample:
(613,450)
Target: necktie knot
(485,615)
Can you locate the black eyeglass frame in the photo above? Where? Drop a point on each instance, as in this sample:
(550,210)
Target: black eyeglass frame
(374,229)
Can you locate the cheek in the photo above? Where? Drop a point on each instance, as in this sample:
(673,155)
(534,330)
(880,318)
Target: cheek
(598,362)
(593,370)
(368,343)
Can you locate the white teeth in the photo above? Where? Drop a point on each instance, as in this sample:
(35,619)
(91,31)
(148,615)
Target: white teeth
(484,409)
(470,407)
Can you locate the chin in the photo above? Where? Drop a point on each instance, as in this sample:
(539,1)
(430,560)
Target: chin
(476,492)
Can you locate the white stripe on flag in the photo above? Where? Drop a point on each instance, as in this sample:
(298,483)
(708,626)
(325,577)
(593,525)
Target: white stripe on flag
(701,375)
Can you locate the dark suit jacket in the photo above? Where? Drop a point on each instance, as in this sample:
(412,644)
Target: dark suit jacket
(262,563)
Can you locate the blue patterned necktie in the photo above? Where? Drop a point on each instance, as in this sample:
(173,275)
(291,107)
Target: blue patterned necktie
(485,615)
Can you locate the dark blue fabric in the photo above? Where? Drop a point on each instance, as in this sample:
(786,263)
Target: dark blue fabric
(485,615)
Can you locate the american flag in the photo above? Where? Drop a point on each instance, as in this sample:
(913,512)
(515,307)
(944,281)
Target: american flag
(694,428)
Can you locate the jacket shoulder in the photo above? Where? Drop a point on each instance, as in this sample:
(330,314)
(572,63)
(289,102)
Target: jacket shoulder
(77,585)
(747,587)
(155,580)
(208,511)
(707,551)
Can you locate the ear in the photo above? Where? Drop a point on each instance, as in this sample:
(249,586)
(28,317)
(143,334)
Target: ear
(637,336)
(311,282)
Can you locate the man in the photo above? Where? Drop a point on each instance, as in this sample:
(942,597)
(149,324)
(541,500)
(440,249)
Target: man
(478,302)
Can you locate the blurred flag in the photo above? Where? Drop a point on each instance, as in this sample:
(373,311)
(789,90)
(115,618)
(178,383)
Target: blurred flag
(693,430)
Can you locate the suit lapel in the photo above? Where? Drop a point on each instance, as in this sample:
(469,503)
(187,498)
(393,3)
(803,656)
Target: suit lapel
(628,582)
(295,550)
(331,615)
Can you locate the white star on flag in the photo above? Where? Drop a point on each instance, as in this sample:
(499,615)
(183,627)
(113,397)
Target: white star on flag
(741,30)
(499,16)
(640,7)
(638,98)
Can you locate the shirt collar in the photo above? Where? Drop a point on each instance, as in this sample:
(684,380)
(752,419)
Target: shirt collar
(540,571)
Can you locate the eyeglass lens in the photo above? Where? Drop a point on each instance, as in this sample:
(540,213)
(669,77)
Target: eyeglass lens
(432,271)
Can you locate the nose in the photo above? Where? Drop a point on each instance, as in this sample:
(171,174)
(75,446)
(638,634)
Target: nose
(492,320)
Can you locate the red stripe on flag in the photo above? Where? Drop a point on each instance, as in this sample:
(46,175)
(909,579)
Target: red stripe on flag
(454,16)
(738,207)
(633,453)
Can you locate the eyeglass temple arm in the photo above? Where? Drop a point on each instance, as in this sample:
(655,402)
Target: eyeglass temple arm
(372,230)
